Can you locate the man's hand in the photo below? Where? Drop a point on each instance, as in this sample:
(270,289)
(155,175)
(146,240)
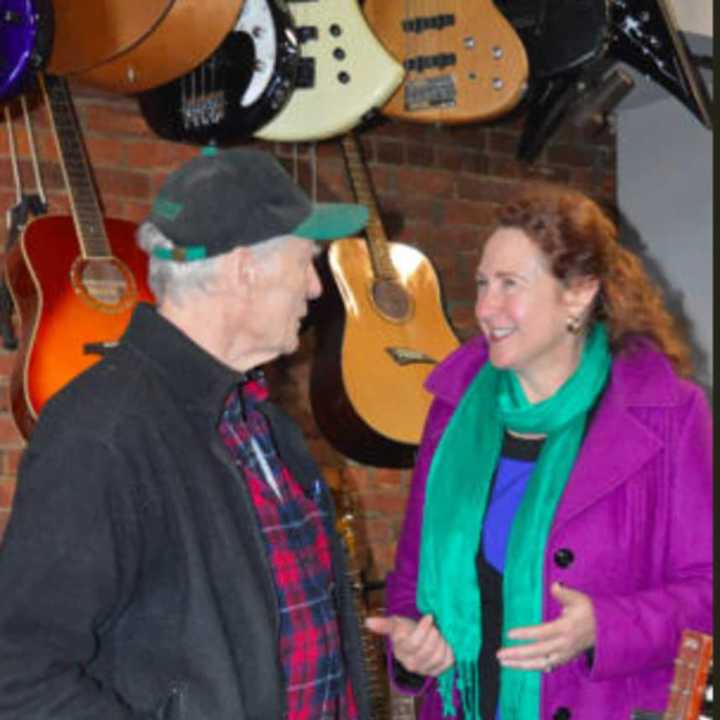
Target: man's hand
(419,646)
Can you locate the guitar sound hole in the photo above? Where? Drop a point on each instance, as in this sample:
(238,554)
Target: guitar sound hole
(391,299)
(105,282)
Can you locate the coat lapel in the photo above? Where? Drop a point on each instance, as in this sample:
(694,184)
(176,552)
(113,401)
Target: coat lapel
(616,446)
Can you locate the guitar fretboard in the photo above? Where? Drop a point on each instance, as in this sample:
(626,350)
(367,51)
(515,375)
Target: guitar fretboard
(86,210)
(377,240)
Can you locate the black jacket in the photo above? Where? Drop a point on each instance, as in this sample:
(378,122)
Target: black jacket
(133,579)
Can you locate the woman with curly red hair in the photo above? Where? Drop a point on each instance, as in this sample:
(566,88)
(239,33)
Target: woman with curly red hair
(557,538)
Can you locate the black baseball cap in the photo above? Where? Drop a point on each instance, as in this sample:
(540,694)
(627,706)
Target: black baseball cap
(225,198)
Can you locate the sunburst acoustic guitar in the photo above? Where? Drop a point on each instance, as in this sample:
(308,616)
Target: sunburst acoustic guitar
(464,61)
(381,329)
(74,279)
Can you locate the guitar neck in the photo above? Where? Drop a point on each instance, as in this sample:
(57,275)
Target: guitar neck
(692,672)
(87,214)
(360,180)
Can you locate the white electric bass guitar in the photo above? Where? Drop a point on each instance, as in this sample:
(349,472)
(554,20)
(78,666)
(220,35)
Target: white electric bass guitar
(344,72)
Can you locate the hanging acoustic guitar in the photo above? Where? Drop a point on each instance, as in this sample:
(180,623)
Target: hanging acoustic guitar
(239,88)
(464,61)
(381,329)
(129,46)
(73,279)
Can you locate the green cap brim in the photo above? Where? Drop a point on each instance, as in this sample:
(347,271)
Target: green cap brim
(330,221)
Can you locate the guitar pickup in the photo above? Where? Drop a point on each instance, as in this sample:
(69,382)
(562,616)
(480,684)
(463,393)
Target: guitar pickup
(305,33)
(305,77)
(99,348)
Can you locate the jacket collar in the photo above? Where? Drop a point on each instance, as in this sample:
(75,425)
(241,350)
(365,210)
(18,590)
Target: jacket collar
(641,377)
(617,443)
(195,376)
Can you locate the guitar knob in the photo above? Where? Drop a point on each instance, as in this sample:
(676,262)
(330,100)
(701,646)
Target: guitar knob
(257,31)
(12,17)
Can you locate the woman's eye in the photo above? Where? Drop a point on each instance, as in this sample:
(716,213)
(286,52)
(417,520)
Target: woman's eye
(509,283)
(481,283)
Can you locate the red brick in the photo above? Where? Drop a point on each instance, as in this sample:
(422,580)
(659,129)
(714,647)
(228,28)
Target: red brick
(438,183)
(158,154)
(124,183)
(12,461)
(422,154)
(7,492)
(9,434)
(115,121)
(390,151)
(4,517)
(105,151)
(464,212)
(495,190)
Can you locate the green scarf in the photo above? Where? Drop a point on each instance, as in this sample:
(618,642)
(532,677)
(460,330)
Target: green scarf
(457,489)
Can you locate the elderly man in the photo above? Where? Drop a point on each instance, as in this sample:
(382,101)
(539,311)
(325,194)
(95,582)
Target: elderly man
(171,553)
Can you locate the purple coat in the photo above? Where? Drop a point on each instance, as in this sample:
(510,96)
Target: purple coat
(636,515)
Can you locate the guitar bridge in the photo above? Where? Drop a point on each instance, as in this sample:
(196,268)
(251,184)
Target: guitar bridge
(408,356)
(437,91)
(206,110)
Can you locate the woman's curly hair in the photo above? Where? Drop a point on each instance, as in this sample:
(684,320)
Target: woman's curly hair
(579,239)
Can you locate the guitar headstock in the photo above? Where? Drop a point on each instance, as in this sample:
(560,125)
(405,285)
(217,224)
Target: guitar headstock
(689,689)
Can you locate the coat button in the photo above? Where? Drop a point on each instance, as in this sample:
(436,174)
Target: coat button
(564,557)
(562,713)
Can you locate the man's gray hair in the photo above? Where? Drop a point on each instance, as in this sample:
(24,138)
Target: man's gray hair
(172,278)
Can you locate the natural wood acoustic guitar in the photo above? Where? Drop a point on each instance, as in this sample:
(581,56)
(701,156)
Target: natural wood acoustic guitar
(381,329)
(73,279)
(464,61)
(691,688)
(128,46)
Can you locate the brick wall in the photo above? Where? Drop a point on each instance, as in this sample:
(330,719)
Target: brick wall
(436,187)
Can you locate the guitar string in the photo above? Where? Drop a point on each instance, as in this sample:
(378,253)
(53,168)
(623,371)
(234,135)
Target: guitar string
(13,159)
(33,152)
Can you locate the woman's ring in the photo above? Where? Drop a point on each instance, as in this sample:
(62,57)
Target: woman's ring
(548,664)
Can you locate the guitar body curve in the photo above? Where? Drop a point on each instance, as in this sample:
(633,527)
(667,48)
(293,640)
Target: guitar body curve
(368,404)
(344,73)
(464,61)
(57,323)
(172,47)
(244,83)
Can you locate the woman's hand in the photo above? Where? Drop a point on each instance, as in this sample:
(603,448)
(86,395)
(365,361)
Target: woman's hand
(418,645)
(556,642)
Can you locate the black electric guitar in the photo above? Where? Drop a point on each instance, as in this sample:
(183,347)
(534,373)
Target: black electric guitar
(242,86)
(600,34)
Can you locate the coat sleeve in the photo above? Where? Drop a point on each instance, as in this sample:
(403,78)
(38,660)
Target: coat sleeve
(65,572)
(638,632)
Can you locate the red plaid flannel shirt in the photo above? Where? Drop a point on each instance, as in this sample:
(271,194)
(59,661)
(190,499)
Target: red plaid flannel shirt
(295,532)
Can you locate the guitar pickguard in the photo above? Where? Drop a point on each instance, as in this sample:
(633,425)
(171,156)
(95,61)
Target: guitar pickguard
(256,21)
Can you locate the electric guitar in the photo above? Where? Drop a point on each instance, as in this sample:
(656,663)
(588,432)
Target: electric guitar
(26,35)
(464,60)
(381,331)
(74,280)
(373,647)
(243,84)
(691,689)
(641,33)
(343,74)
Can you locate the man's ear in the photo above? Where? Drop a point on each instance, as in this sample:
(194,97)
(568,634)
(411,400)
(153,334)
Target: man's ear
(579,294)
(240,268)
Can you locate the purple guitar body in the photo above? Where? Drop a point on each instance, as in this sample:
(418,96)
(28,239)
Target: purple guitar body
(26,32)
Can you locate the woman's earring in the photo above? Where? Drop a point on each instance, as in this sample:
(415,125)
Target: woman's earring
(573,325)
